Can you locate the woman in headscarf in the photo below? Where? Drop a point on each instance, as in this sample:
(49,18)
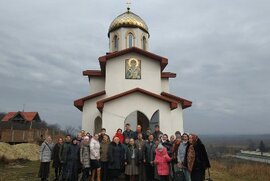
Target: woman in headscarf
(201,162)
(73,160)
(120,135)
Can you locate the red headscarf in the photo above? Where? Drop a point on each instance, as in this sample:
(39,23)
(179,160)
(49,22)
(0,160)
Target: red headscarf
(119,135)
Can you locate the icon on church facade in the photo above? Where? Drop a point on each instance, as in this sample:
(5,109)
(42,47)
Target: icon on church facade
(133,68)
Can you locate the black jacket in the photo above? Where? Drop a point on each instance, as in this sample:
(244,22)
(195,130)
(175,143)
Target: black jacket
(149,151)
(168,146)
(201,158)
(115,156)
(129,153)
(56,155)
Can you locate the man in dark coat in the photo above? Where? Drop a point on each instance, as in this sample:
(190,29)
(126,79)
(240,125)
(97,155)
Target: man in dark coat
(128,132)
(157,132)
(115,159)
(63,156)
(149,157)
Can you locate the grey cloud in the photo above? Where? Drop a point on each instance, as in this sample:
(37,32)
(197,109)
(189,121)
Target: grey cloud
(219,49)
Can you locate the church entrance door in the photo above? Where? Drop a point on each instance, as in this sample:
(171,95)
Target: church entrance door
(137,118)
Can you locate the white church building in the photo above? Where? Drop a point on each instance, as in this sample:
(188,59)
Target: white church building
(131,85)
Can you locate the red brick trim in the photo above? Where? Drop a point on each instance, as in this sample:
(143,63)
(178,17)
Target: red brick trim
(185,103)
(168,75)
(173,104)
(80,102)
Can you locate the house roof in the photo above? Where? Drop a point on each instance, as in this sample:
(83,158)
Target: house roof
(185,103)
(80,102)
(28,116)
(173,104)
(103,59)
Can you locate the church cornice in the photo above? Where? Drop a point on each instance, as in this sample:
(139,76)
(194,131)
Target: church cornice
(173,104)
(103,59)
(168,75)
(184,102)
(79,103)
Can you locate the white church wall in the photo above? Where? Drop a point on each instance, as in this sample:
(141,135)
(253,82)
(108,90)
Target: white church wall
(116,82)
(96,84)
(89,114)
(116,111)
(165,87)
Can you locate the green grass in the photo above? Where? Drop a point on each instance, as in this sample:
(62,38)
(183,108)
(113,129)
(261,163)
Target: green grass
(222,170)
(27,171)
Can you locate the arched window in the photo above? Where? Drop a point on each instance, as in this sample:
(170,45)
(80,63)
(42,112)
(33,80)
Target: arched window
(130,40)
(115,42)
(144,43)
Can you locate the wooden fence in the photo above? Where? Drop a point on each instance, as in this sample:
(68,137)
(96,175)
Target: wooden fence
(27,136)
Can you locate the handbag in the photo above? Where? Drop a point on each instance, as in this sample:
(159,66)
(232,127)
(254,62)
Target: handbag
(209,176)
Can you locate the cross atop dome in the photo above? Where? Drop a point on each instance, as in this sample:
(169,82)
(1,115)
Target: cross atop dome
(128,4)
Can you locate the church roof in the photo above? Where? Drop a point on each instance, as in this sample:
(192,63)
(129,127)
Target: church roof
(185,103)
(28,116)
(80,102)
(164,96)
(173,104)
(103,59)
(128,19)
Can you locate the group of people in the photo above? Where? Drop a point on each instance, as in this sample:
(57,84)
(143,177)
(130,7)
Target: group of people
(131,156)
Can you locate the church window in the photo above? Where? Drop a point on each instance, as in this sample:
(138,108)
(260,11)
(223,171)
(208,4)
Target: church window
(115,42)
(130,40)
(144,43)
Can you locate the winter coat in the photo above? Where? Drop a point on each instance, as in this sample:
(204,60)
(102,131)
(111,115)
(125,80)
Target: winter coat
(46,152)
(104,148)
(162,160)
(115,156)
(136,135)
(63,152)
(129,134)
(85,156)
(55,155)
(94,149)
(149,151)
(129,153)
(73,153)
(175,151)
(168,146)
(201,158)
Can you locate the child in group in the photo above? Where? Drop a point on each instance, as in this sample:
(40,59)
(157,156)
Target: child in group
(162,160)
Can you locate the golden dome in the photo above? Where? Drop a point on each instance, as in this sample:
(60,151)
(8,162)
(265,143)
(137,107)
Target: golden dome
(128,19)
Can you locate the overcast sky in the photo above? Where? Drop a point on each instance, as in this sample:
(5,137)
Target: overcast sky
(220,51)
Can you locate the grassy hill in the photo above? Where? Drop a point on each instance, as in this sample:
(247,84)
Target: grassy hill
(222,170)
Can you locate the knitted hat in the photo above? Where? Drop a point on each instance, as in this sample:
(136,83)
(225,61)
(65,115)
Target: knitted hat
(160,147)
